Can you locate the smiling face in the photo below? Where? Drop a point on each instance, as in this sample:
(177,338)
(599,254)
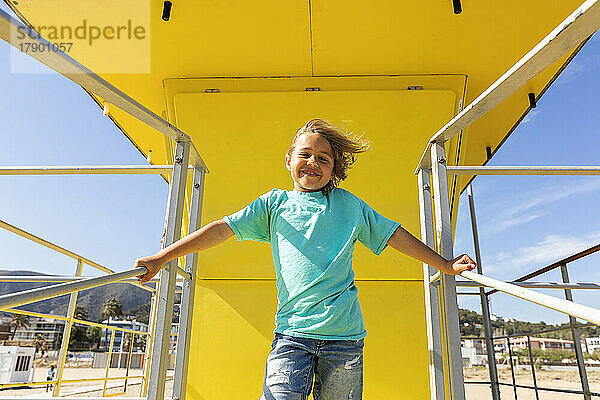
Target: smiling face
(311,162)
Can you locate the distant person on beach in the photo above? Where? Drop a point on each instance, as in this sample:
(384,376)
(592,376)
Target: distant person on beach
(50,377)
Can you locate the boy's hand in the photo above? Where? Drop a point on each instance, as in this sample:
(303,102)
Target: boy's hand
(152,264)
(460,264)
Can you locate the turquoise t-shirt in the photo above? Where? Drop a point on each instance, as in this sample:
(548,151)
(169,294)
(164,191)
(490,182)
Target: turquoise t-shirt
(312,238)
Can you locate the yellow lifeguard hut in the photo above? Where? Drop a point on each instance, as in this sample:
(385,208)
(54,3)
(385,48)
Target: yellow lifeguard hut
(228,84)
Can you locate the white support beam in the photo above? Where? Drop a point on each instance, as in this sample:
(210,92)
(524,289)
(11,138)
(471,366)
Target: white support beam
(187,298)
(168,275)
(431,296)
(447,290)
(89,170)
(523,170)
(569,33)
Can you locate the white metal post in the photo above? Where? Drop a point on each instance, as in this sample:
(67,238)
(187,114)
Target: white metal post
(585,386)
(453,356)
(149,341)
(187,297)
(432,306)
(168,275)
(64,346)
(485,307)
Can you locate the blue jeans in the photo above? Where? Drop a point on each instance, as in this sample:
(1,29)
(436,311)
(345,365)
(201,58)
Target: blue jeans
(337,366)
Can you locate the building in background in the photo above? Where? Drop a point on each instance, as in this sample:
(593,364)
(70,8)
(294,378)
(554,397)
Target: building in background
(538,343)
(16,364)
(592,344)
(50,329)
(119,344)
(5,332)
(473,352)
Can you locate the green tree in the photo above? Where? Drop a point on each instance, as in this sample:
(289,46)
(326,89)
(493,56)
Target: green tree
(18,321)
(112,308)
(93,335)
(78,336)
(40,344)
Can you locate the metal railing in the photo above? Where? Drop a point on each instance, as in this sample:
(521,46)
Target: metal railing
(518,288)
(446,374)
(72,286)
(510,361)
(58,249)
(8,301)
(572,310)
(186,157)
(47,292)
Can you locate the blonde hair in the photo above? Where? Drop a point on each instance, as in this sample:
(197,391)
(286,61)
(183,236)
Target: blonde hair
(344,148)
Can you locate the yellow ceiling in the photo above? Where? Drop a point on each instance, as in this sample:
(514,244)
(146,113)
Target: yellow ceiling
(318,38)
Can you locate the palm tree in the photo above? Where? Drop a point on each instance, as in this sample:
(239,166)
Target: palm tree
(142,339)
(19,321)
(77,331)
(81,313)
(128,341)
(39,342)
(112,308)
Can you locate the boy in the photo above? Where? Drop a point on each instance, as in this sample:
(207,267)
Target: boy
(312,230)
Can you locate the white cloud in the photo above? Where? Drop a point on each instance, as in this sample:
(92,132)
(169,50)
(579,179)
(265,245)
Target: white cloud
(573,70)
(525,207)
(550,249)
(516,220)
(530,116)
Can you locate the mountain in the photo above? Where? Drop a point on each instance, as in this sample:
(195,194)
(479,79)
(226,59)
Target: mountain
(93,300)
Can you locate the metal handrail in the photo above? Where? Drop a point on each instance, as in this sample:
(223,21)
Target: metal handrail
(555,265)
(60,279)
(567,307)
(536,285)
(50,245)
(29,296)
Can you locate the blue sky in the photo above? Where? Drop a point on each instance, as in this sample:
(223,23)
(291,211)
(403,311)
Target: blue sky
(48,120)
(524,222)
(527,222)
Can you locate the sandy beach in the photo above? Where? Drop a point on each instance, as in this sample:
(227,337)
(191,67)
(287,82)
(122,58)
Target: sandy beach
(545,378)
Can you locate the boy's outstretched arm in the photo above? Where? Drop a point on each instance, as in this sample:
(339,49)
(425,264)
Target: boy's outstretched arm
(406,243)
(208,236)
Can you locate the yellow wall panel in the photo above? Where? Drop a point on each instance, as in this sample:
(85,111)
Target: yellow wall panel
(233,324)
(243,138)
